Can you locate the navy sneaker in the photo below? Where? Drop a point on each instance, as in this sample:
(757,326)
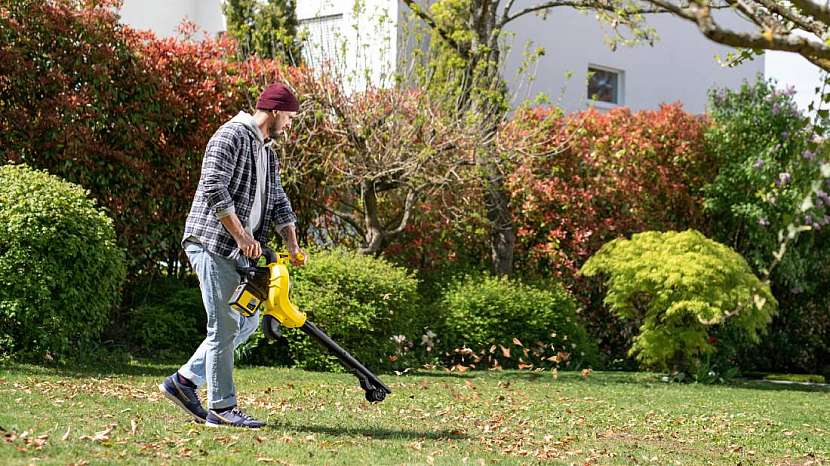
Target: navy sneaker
(233,418)
(184,397)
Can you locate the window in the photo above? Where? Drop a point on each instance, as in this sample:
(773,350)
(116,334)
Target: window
(604,85)
(321,39)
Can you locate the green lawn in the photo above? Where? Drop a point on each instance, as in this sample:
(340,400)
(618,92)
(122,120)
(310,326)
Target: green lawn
(114,414)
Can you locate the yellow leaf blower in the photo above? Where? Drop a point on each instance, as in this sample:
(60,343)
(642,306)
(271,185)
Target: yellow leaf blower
(267,288)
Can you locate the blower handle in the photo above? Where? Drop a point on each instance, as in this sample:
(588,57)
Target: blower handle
(270,255)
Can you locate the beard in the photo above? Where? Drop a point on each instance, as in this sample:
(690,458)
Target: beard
(274,131)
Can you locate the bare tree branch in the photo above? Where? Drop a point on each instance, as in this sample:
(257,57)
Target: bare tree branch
(592,4)
(407,211)
(346,216)
(506,13)
(801,21)
(768,39)
(819,12)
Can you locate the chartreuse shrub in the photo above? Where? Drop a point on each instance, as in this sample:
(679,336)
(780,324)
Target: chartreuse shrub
(60,269)
(509,323)
(682,287)
(360,301)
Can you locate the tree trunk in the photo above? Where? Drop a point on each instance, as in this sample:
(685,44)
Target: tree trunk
(374,230)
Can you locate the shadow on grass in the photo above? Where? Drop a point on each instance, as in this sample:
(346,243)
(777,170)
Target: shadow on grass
(105,366)
(125,365)
(639,379)
(777,386)
(370,432)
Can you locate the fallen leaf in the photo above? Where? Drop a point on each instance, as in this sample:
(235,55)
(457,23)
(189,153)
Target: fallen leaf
(586,373)
(66,434)
(101,436)
(133,426)
(516,341)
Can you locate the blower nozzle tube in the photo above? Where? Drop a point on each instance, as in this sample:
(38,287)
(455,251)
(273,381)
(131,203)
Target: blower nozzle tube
(369,382)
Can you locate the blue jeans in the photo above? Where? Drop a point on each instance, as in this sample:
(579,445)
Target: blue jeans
(212,363)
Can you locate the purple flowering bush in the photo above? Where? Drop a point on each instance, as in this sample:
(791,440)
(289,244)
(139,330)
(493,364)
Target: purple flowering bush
(767,166)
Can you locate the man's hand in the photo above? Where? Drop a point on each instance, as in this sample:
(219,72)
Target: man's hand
(244,240)
(296,255)
(248,245)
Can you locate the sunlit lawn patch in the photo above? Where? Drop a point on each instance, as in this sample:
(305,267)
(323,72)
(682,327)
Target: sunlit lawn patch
(114,414)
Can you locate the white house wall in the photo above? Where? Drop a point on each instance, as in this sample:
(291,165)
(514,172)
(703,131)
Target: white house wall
(681,66)
(369,32)
(164,16)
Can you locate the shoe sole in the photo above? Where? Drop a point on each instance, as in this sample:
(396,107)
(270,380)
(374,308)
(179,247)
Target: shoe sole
(233,426)
(179,404)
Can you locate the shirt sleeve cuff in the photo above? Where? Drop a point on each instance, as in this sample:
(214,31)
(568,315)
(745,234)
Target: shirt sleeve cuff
(222,213)
(282,225)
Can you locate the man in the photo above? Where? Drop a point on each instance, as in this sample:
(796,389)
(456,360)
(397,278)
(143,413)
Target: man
(238,200)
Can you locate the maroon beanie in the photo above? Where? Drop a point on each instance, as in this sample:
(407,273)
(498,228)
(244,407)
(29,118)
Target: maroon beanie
(277,97)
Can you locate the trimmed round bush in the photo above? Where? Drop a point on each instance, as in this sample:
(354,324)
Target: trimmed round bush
(528,322)
(61,271)
(694,297)
(359,301)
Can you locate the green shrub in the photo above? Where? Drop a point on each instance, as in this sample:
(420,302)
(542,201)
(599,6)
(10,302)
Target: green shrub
(759,140)
(761,143)
(532,324)
(359,301)
(163,314)
(60,269)
(683,288)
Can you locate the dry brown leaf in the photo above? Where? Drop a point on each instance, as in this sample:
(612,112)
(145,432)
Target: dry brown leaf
(505,351)
(586,373)
(133,426)
(516,341)
(66,434)
(101,436)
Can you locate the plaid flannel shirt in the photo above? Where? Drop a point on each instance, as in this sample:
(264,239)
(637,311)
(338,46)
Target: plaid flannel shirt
(227,185)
